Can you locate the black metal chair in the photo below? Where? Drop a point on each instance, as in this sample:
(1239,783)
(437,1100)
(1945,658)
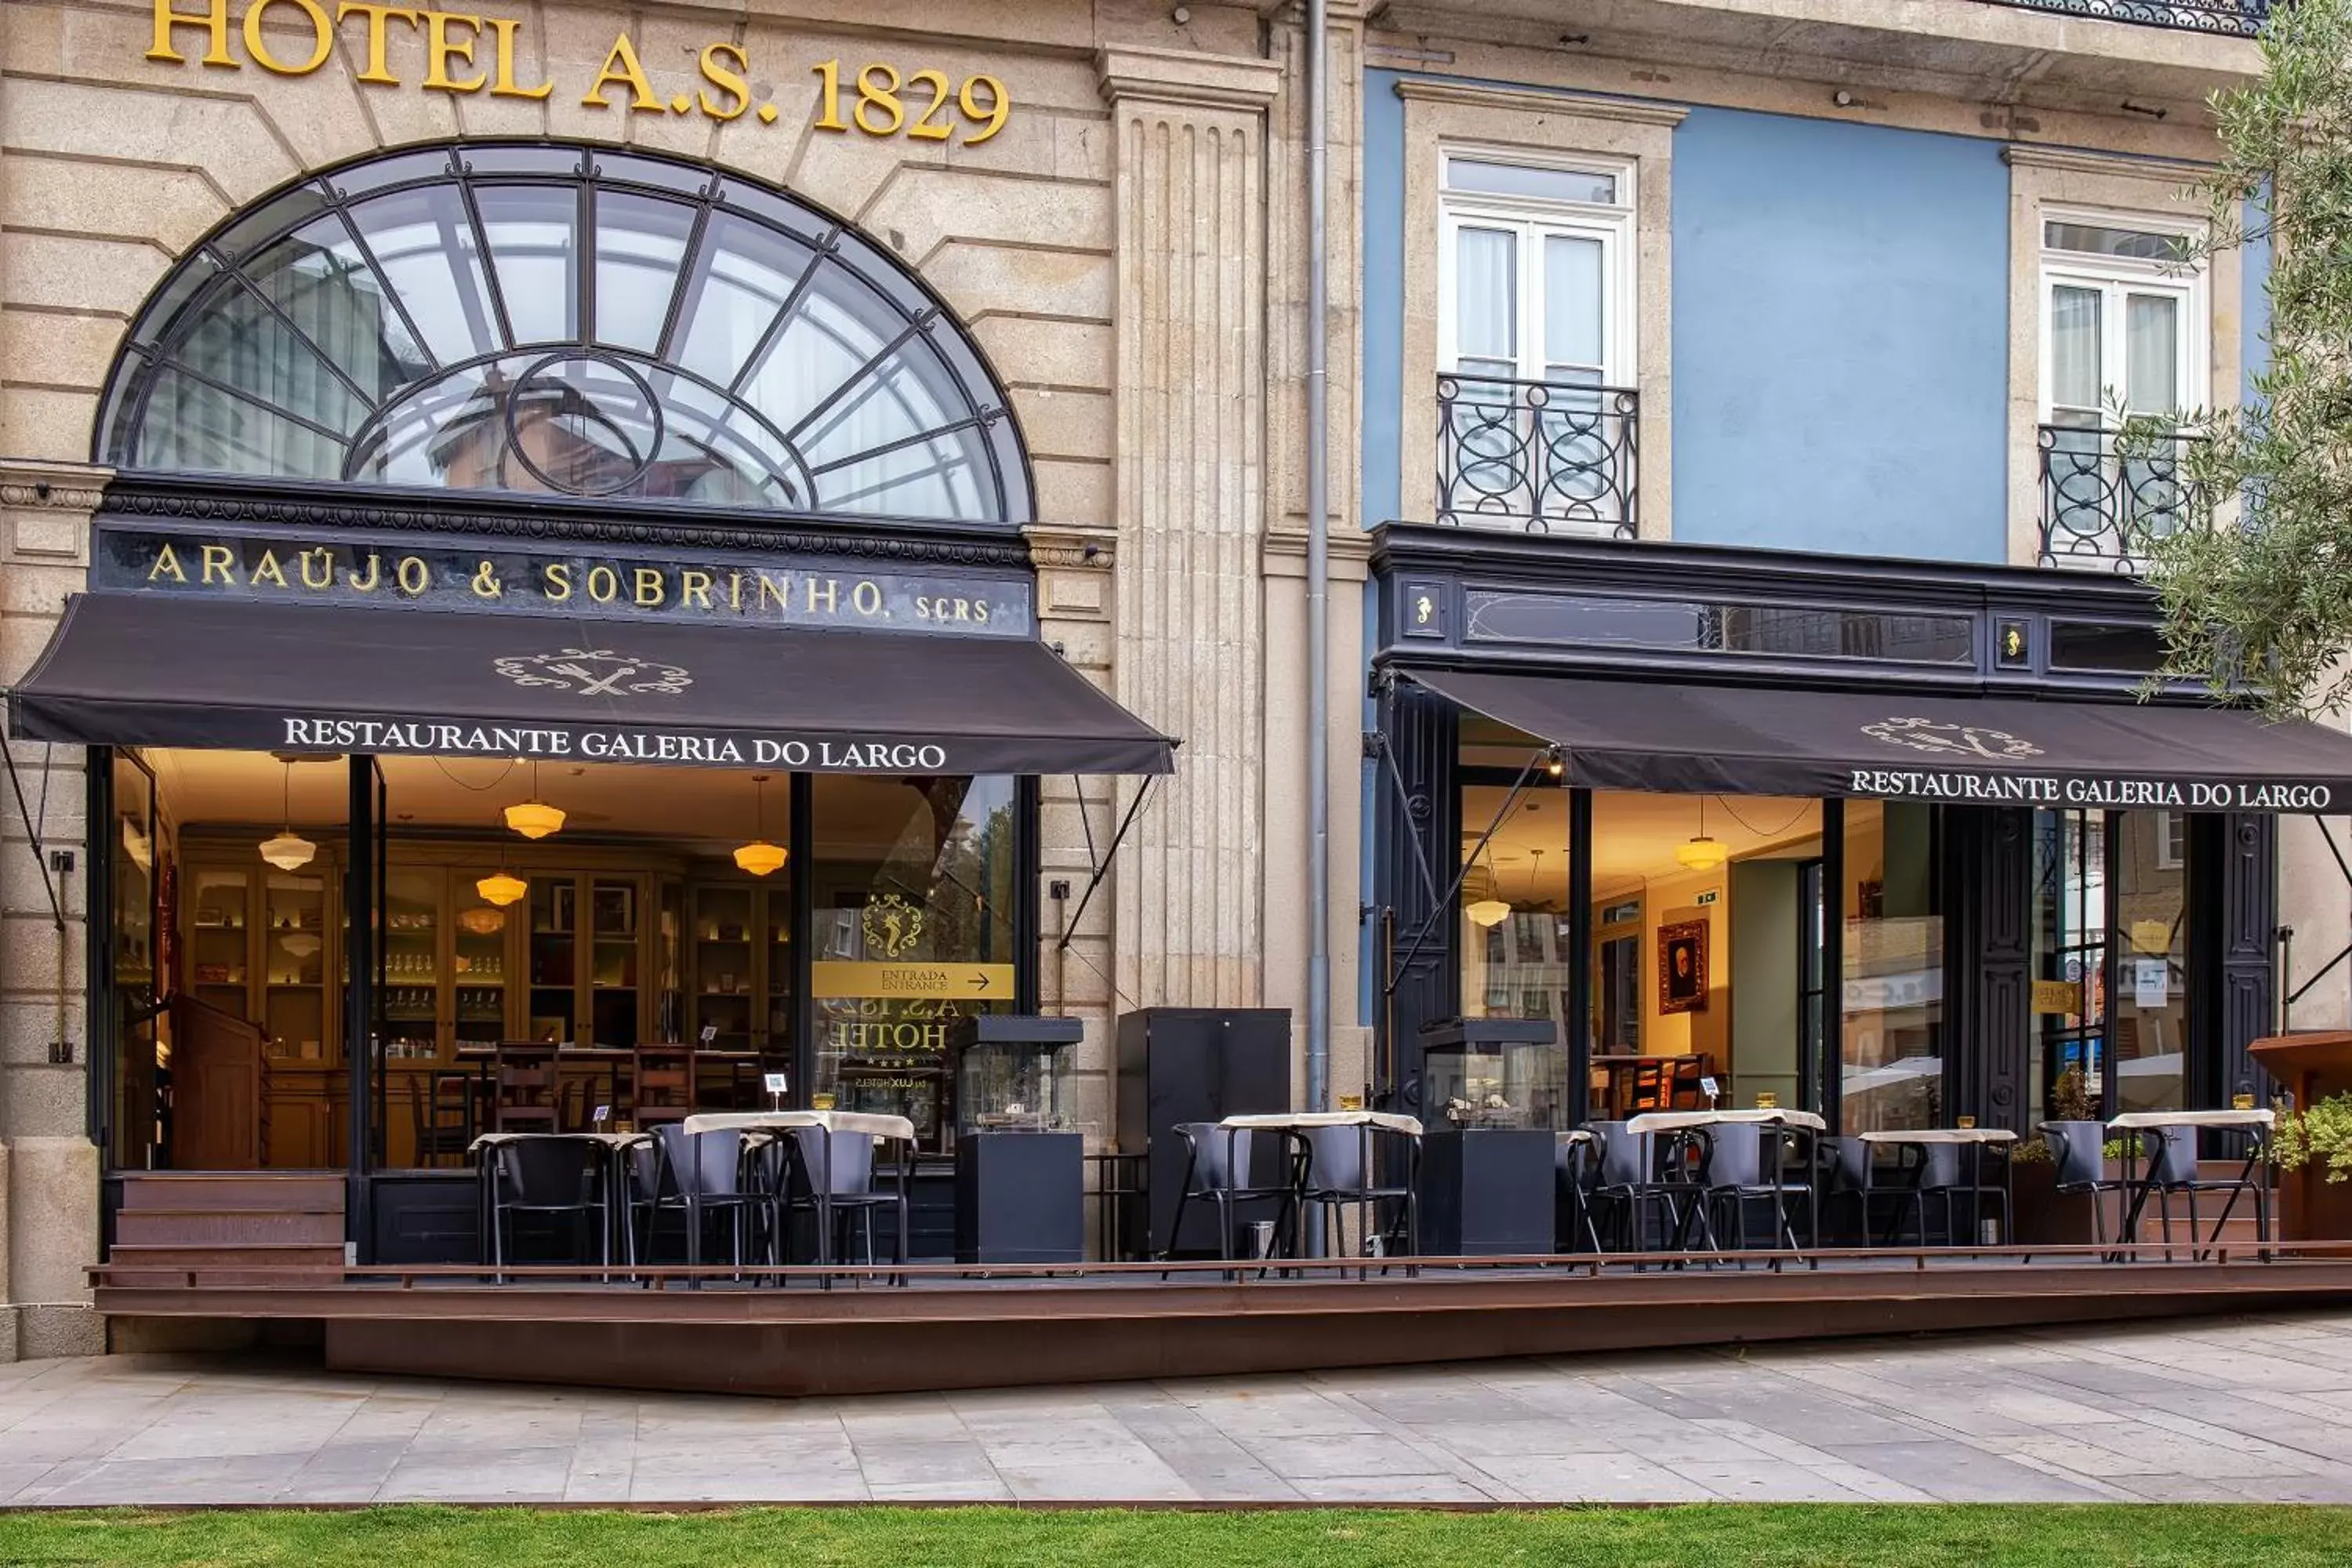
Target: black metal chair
(1848,1171)
(1341,1173)
(2079,1160)
(830,1176)
(698,1175)
(1626,1183)
(1219,1162)
(554,1177)
(1576,1166)
(2175,1164)
(1746,1164)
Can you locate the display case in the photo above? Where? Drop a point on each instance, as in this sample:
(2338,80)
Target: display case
(1494,1073)
(1493,1093)
(1011,1073)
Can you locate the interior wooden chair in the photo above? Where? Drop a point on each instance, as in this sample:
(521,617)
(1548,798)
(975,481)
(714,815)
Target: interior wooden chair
(525,1076)
(662,1083)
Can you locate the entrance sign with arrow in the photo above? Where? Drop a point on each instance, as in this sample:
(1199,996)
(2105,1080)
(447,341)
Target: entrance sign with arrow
(956,982)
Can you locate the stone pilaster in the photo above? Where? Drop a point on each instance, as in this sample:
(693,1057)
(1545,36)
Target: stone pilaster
(1189,175)
(1076,817)
(49,1167)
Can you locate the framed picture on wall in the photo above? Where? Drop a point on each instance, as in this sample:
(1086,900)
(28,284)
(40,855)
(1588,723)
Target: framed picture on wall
(1682,967)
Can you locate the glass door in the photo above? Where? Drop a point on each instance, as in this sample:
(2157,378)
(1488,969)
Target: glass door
(725,939)
(553,960)
(612,979)
(410,1004)
(139,931)
(477,942)
(296,1016)
(2070,975)
(2150,1002)
(776,980)
(219,940)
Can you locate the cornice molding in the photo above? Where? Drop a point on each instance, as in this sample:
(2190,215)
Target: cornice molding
(1186,78)
(1348,545)
(1067,544)
(1523,100)
(33,485)
(2074,160)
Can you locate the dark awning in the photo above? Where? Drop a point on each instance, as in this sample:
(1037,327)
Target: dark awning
(230,673)
(1993,750)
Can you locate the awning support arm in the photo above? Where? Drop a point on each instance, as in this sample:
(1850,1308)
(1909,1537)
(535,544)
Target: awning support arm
(1421,932)
(1102,869)
(33,834)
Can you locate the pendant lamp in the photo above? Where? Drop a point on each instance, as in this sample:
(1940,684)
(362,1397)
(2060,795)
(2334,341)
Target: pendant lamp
(759,857)
(534,818)
(1701,853)
(1489,911)
(501,888)
(289,850)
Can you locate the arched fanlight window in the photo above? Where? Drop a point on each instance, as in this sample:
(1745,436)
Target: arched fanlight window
(565,319)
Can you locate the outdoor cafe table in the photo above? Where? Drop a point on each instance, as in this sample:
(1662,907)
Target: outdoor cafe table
(873,1124)
(616,1146)
(1976,1138)
(1781,1121)
(1294,1126)
(2256,1122)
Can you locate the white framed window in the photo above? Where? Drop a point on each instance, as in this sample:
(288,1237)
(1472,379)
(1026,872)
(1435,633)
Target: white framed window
(2126,330)
(2171,840)
(1536,267)
(2122,323)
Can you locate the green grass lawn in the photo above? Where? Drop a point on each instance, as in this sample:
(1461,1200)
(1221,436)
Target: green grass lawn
(1722,1536)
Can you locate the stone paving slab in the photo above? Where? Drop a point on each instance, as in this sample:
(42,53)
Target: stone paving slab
(2239,1409)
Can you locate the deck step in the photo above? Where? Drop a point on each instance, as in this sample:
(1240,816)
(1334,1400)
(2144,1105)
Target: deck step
(233,1190)
(254,1262)
(217,1226)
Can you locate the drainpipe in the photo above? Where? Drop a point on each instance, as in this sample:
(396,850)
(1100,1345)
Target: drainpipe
(1319,562)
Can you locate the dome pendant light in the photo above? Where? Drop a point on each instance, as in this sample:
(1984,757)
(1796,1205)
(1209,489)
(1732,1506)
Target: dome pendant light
(1489,911)
(534,818)
(501,887)
(760,858)
(1702,853)
(289,850)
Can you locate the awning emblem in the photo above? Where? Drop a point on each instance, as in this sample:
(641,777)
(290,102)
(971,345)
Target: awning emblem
(1940,739)
(594,672)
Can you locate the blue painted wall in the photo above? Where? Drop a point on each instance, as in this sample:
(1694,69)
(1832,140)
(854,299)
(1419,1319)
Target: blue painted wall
(1383,296)
(1841,329)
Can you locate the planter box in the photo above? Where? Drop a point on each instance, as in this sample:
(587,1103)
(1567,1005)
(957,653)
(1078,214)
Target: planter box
(2046,1217)
(2313,1208)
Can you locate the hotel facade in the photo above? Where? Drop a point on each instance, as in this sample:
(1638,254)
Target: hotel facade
(880,435)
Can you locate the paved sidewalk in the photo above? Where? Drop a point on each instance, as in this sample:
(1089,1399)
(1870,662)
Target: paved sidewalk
(2220,1411)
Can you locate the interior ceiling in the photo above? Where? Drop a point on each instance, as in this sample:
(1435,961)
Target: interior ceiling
(690,806)
(1635,837)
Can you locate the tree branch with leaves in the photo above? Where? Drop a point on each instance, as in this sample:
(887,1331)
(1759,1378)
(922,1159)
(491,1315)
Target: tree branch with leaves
(2256,588)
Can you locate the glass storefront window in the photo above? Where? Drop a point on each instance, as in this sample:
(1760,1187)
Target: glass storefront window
(915,891)
(2151,989)
(139,965)
(2070,957)
(1892,997)
(1516,940)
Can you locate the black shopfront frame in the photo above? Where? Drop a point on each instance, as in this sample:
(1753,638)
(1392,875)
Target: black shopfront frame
(1465,599)
(398,1216)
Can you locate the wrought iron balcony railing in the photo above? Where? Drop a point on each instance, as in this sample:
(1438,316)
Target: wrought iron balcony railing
(1543,457)
(2234,18)
(2101,510)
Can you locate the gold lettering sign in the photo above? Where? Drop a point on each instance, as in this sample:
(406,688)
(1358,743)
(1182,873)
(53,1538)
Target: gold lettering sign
(847,978)
(345,571)
(2057,996)
(464,53)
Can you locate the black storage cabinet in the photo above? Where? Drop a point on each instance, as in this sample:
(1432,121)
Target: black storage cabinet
(1020,1195)
(1193,1063)
(1485,1191)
